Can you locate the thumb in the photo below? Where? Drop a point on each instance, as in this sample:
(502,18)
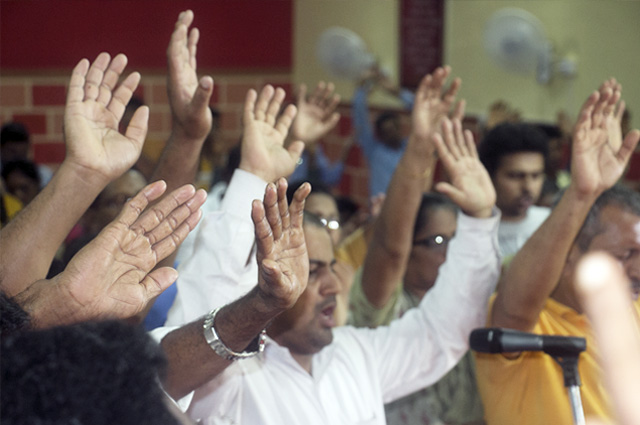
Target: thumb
(203,93)
(451,192)
(158,280)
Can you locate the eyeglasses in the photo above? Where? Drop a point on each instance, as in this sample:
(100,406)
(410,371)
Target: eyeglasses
(439,242)
(330,224)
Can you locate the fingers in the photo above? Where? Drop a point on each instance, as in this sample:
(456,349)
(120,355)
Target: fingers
(274,106)
(203,93)
(620,111)
(249,106)
(450,139)
(296,209)
(157,281)
(604,290)
(283,204)
(628,146)
(261,106)
(122,95)
(458,112)
(138,126)
(95,75)
(285,119)
(76,84)
(134,207)
(192,46)
(264,235)
(584,118)
(175,229)
(110,78)
(272,212)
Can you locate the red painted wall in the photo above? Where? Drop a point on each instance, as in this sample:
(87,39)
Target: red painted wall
(54,34)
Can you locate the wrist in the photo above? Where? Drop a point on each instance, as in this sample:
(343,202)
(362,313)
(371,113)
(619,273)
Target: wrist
(42,301)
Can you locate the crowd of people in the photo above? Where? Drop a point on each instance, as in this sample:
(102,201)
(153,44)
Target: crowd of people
(278,314)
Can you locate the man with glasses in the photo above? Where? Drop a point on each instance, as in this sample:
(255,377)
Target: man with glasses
(409,245)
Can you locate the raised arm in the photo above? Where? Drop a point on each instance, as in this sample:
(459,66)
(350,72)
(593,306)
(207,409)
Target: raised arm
(316,113)
(111,277)
(189,101)
(604,291)
(96,154)
(282,277)
(222,267)
(599,157)
(389,250)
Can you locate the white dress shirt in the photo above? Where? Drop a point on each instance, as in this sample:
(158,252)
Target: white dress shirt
(362,368)
(223,266)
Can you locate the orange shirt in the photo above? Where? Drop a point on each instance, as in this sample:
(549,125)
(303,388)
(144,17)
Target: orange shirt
(530,390)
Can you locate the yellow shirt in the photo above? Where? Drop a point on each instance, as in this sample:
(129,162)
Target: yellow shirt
(353,249)
(530,390)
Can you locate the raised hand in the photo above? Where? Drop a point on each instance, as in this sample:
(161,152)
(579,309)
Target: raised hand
(95,105)
(433,103)
(263,151)
(282,254)
(600,154)
(110,277)
(188,96)
(316,114)
(604,290)
(471,187)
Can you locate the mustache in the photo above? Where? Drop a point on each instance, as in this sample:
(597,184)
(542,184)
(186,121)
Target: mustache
(329,301)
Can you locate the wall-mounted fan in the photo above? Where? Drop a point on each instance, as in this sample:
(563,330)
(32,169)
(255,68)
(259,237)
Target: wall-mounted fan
(515,40)
(343,53)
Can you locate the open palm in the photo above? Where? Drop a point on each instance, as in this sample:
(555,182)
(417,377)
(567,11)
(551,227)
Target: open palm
(93,112)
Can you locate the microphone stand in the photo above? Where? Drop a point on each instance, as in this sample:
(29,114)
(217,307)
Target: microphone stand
(571,377)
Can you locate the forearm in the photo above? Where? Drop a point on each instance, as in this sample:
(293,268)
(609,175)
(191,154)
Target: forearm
(390,247)
(192,362)
(179,161)
(45,304)
(31,239)
(526,284)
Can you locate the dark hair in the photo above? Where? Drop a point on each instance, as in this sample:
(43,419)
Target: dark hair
(26,167)
(509,138)
(12,317)
(13,132)
(431,201)
(316,188)
(383,117)
(619,196)
(94,373)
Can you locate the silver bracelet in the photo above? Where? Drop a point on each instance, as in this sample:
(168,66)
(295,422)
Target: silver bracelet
(256,346)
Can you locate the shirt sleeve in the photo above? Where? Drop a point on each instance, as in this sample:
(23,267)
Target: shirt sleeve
(364,314)
(407,97)
(418,349)
(362,122)
(222,267)
(330,173)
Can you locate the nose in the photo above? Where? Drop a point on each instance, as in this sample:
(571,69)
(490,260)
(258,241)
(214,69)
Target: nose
(330,284)
(632,267)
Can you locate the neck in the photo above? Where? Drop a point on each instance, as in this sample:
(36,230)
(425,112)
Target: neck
(416,290)
(304,360)
(514,218)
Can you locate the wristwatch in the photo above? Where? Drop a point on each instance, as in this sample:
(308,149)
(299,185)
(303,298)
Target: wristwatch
(256,346)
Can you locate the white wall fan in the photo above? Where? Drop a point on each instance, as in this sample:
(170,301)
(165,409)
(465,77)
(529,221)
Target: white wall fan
(515,40)
(342,53)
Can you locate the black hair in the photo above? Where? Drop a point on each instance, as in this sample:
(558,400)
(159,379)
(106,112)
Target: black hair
(13,132)
(620,196)
(12,317)
(509,138)
(430,202)
(93,373)
(316,188)
(384,117)
(26,167)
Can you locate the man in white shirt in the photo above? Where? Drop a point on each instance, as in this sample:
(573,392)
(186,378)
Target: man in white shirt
(309,373)
(515,154)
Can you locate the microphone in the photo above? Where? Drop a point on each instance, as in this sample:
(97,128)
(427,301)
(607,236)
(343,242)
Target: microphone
(501,340)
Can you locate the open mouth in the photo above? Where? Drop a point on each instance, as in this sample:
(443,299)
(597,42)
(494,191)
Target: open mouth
(326,315)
